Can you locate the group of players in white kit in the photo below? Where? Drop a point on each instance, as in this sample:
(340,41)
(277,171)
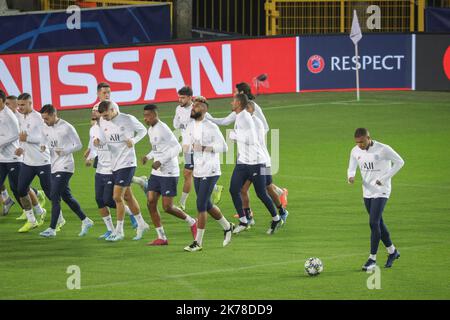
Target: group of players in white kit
(42,145)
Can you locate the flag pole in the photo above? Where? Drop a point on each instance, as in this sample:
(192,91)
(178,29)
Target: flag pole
(357,71)
(355,36)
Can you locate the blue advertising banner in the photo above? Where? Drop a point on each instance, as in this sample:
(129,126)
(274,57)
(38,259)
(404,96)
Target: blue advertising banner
(329,62)
(97,27)
(437,19)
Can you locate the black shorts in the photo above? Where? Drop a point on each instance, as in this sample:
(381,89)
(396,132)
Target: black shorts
(123,177)
(165,186)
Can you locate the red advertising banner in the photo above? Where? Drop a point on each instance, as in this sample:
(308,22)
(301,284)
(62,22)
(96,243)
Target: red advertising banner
(138,75)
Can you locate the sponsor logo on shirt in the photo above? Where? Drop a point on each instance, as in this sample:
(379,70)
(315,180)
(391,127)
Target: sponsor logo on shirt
(368,166)
(114,137)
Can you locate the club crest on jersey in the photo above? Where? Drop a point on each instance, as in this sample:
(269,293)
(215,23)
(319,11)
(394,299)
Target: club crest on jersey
(122,128)
(315,64)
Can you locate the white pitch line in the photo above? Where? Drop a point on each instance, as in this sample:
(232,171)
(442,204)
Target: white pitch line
(371,103)
(160,277)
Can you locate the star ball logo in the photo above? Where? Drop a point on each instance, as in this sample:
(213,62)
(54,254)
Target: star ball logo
(316,64)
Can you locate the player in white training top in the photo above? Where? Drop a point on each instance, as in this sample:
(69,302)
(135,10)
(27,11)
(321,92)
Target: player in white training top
(11,166)
(165,172)
(274,190)
(121,132)
(378,163)
(36,158)
(63,141)
(205,140)
(180,121)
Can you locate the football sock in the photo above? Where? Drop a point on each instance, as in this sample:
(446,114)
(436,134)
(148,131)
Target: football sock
(199,237)
(108,223)
(5,195)
(161,233)
(30,216)
(243,220)
(38,209)
(224,223)
(191,221)
(140,220)
(119,227)
(373,257)
(278,191)
(184,197)
(391,249)
(128,211)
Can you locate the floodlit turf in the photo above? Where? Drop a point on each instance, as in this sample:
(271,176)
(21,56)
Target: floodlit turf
(327,218)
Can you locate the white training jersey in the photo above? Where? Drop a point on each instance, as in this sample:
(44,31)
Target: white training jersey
(182,118)
(261,132)
(33,125)
(101,152)
(249,150)
(117,132)
(231,118)
(165,149)
(17,114)
(62,137)
(206,134)
(9,136)
(379,162)
(260,115)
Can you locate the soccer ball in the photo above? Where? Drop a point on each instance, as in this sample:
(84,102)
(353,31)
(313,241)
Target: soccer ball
(313,266)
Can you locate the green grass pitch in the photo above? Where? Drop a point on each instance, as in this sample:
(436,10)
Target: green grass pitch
(327,217)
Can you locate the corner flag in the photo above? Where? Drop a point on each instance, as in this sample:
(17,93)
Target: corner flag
(355,33)
(355,36)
